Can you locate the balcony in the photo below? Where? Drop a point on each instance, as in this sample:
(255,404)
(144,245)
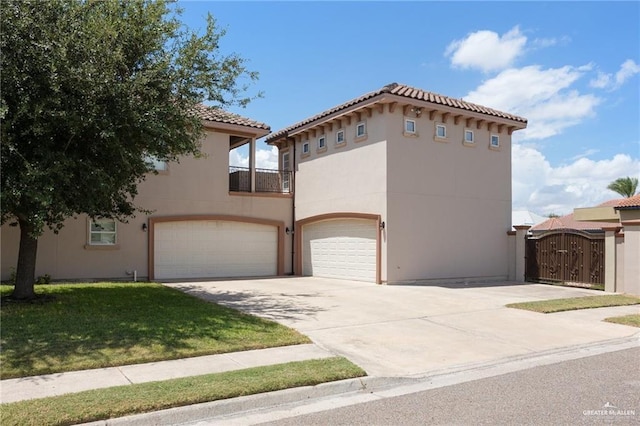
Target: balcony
(266,180)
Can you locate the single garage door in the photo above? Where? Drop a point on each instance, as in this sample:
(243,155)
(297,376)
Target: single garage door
(340,248)
(214,248)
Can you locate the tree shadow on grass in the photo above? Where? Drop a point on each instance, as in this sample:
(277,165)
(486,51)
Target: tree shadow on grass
(93,326)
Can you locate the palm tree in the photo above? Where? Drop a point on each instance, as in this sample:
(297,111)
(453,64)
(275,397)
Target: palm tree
(625,186)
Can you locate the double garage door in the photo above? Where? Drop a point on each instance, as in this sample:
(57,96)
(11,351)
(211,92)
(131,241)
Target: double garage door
(214,248)
(340,248)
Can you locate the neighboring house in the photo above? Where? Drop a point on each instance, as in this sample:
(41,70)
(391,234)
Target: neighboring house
(207,220)
(398,185)
(622,249)
(568,222)
(402,185)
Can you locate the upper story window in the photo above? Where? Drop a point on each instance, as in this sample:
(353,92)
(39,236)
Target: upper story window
(361,129)
(159,165)
(340,137)
(410,126)
(495,141)
(286,176)
(322,142)
(441,131)
(102,232)
(468,136)
(305,148)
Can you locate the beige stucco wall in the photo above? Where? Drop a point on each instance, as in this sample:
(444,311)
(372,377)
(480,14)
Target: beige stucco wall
(344,179)
(195,186)
(446,206)
(631,257)
(449,205)
(620,264)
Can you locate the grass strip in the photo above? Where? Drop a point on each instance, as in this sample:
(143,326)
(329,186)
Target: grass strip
(588,302)
(102,404)
(95,325)
(631,320)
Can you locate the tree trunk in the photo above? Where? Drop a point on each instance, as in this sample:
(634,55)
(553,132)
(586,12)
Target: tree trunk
(26,272)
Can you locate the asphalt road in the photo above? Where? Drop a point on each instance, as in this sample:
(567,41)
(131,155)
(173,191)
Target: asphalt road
(602,389)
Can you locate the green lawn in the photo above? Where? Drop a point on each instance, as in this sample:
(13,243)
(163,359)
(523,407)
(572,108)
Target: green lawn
(559,305)
(120,401)
(632,320)
(109,324)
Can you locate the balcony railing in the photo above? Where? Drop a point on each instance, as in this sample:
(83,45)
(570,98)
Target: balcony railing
(276,181)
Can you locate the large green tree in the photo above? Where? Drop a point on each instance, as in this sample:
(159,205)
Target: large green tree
(89,89)
(625,186)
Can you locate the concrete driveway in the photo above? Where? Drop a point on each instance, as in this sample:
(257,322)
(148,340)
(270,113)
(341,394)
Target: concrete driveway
(412,330)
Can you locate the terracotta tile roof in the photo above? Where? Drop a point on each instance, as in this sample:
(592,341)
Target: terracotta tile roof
(568,222)
(630,203)
(220,116)
(406,92)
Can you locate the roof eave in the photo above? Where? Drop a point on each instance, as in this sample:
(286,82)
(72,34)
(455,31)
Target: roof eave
(238,129)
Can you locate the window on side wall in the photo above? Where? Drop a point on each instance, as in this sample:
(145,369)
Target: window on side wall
(495,141)
(340,137)
(157,164)
(361,129)
(441,131)
(468,136)
(102,232)
(286,175)
(410,126)
(322,142)
(305,148)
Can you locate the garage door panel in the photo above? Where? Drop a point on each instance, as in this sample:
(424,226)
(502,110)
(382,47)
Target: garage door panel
(342,248)
(214,248)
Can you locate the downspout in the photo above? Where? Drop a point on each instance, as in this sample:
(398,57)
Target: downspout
(292,187)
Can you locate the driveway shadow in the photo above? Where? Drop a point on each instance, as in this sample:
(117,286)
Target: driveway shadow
(277,307)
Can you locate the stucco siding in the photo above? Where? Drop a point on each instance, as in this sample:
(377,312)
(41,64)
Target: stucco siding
(449,204)
(195,186)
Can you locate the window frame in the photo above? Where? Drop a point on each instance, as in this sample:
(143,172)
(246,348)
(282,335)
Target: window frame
(323,139)
(306,148)
(363,125)
(344,140)
(413,131)
(441,126)
(497,138)
(101,243)
(467,141)
(155,162)
(286,177)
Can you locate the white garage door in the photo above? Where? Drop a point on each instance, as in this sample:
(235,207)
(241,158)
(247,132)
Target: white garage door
(341,248)
(214,248)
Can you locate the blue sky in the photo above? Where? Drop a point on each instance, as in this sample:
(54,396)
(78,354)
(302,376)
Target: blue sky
(571,68)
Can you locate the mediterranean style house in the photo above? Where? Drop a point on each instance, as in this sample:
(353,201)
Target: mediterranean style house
(399,185)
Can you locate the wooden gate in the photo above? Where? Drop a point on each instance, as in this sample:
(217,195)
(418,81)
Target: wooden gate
(565,256)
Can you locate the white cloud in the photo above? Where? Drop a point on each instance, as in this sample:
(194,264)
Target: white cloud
(627,70)
(540,95)
(487,50)
(265,158)
(602,81)
(543,189)
(613,82)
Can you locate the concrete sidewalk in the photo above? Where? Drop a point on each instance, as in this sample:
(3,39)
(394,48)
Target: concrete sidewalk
(13,390)
(399,334)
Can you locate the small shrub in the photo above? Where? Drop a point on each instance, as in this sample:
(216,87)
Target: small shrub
(43,279)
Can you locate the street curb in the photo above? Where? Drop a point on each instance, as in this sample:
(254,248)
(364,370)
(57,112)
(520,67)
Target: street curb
(382,386)
(216,409)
